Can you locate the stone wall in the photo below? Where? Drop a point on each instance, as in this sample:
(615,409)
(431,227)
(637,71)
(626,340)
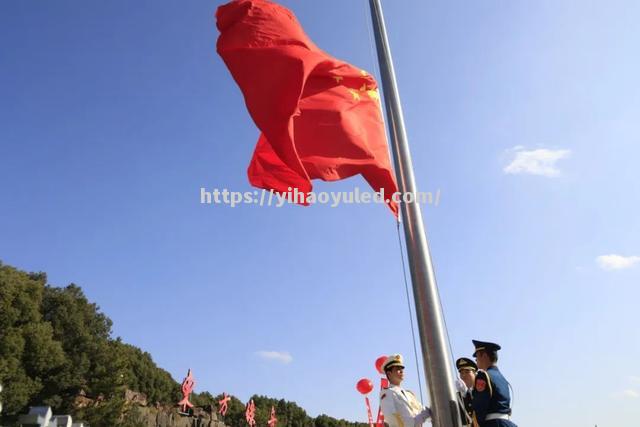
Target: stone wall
(170,417)
(151,415)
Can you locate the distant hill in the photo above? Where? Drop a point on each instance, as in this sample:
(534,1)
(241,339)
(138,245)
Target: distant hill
(56,348)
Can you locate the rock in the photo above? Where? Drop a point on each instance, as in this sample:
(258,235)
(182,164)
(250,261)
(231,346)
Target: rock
(82,401)
(164,416)
(135,397)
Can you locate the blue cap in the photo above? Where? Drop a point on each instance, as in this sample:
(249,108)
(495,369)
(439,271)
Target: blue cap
(484,345)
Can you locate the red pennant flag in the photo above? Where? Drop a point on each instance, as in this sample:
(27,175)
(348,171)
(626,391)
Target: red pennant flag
(320,118)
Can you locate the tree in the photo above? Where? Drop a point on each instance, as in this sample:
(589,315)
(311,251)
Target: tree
(29,355)
(92,364)
(55,344)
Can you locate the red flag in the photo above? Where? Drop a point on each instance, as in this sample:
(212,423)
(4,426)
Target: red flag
(319,117)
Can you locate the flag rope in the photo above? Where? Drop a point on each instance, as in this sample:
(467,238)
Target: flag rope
(376,68)
(372,46)
(413,333)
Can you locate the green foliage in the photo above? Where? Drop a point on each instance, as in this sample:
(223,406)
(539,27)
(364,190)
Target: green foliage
(107,414)
(289,414)
(55,345)
(92,363)
(141,374)
(327,421)
(203,400)
(29,354)
(132,417)
(235,412)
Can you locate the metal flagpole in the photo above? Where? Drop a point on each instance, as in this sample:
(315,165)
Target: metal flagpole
(433,336)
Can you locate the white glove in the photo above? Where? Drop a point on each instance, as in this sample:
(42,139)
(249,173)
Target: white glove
(423,416)
(461,387)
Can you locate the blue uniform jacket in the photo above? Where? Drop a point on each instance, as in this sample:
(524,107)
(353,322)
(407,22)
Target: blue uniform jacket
(491,395)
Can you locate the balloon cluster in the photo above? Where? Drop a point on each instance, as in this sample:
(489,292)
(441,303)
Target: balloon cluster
(365,386)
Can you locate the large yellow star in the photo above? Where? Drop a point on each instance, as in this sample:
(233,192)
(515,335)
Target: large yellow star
(374,94)
(355,94)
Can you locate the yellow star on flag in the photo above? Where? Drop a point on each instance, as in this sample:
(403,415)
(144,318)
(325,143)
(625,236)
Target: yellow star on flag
(374,94)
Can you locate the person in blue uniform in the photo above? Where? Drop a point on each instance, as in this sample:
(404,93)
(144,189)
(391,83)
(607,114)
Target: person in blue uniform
(491,397)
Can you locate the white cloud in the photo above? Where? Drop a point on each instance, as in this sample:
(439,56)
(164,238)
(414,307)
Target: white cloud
(616,262)
(541,161)
(278,356)
(634,379)
(626,394)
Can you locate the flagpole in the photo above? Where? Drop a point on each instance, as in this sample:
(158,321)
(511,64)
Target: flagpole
(433,334)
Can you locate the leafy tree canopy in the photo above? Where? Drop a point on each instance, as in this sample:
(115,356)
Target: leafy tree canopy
(56,345)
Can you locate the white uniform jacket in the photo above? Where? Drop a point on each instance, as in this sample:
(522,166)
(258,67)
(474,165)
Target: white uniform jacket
(401,408)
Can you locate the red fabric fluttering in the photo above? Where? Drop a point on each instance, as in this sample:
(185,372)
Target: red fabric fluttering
(320,118)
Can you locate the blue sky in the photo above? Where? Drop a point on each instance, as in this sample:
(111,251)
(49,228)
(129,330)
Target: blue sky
(523,114)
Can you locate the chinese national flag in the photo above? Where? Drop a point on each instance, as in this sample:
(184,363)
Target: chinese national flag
(319,117)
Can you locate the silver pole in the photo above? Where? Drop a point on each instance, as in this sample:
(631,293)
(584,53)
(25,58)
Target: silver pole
(433,334)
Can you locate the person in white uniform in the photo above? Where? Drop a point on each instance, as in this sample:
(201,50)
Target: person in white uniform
(401,408)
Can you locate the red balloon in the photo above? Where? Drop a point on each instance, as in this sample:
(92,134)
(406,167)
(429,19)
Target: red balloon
(364,386)
(379,361)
